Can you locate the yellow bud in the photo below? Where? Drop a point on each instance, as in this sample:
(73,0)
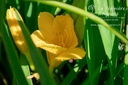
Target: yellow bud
(16,29)
(13,17)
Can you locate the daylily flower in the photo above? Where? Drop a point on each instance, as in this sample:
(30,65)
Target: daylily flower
(56,35)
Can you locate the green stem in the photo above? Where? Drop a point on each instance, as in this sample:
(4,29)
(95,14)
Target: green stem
(28,56)
(25,68)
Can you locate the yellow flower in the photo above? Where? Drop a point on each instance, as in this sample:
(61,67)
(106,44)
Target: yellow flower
(56,35)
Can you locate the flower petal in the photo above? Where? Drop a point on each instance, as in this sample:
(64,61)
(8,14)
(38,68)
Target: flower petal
(45,24)
(38,40)
(73,53)
(45,21)
(52,61)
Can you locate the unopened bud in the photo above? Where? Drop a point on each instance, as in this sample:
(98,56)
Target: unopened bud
(11,16)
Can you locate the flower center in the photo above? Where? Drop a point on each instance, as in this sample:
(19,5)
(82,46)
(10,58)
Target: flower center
(62,38)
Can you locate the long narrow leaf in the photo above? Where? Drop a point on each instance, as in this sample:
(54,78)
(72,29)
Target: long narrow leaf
(10,49)
(25,68)
(13,57)
(125,82)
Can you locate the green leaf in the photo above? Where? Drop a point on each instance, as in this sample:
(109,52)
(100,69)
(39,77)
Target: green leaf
(12,56)
(110,41)
(72,74)
(95,51)
(25,68)
(30,15)
(10,49)
(125,82)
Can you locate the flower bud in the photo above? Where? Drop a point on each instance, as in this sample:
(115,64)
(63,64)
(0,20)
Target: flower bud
(15,29)
(13,19)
